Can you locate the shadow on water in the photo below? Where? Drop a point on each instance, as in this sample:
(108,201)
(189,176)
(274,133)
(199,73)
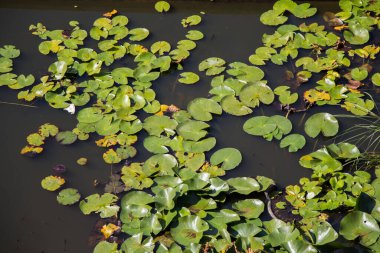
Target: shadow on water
(31,220)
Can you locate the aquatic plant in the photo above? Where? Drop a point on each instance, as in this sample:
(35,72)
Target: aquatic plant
(177,200)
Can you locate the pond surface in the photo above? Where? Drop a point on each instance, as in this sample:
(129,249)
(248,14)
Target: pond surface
(31,219)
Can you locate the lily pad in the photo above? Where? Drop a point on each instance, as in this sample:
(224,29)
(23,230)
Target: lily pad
(138,34)
(212,66)
(68,196)
(189,230)
(324,123)
(194,35)
(52,183)
(226,158)
(294,142)
(249,208)
(202,109)
(243,185)
(162,6)
(66,137)
(376,79)
(188,78)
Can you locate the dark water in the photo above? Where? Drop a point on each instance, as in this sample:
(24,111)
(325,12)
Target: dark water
(31,219)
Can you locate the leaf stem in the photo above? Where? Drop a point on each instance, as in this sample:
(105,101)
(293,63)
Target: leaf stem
(10,103)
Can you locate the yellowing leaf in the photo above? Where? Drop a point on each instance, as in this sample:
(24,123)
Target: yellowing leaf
(111,157)
(110,14)
(109,229)
(52,183)
(107,141)
(31,150)
(313,96)
(35,139)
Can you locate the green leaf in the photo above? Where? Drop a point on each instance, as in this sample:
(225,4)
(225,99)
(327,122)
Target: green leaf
(5,65)
(376,79)
(294,142)
(22,82)
(243,185)
(231,105)
(199,146)
(285,96)
(163,164)
(58,69)
(68,196)
(359,224)
(162,6)
(138,34)
(189,230)
(192,130)
(157,145)
(194,35)
(111,157)
(188,78)
(35,139)
(359,74)
(226,158)
(191,20)
(52,183)
(324,123)
(103,204)
(357,34)
(106,247)
(155,125)
(299,246)
(90,115)
(251,95)
(272,18)
(161,47)
(9,51)
(323,233)
(201,109)
(7,79)
(343,150)
(320,160)
(259,126)
(136,244)
(212,66)
(66,137)
(249,208)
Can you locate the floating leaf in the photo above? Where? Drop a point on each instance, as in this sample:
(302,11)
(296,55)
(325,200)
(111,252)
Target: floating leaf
(249,208)
(111,157)
(68,196)
(294,142)
(189,230)
(324,123)
(136,244)
(161,47)
(162,6)
(191,20)
(52,183)
(212,66)
(201,109)
(376,79)
(323,233)
(359,224)
(66,137)
(226,158)
(155,125)
(35,139)
(103,204)
(89,115)
(82,161)
(58,69)
(106,247)
(194,35)
(9,51)
(359,74)
(138,34)
(188,78)
(233,106)
(251,95)
(192,130)
(243,185)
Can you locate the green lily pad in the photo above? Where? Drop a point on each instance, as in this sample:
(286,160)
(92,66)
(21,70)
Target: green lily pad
(156,125)
(249,208)
(359,224)
(136,244)
(188,78)
(192,130)
(259,126)
(103,204)
(22,82)
(163,164)
(68,196)
(7,79)
(251,95)
(66,137)
(285,96)
(191,20)
(323,233)
(226,158)
(272,18)
(324,123)
(357,34)
(202,109)
(5,65)
(106,247)
(162,6)
(212,66)
(157,145)
(359,74)
(9,51)
(294,142)
(90,115)
(376,79)
(58,69)
(52,183)
(243,185)
(231,105)
(160,47)
(194,35)
(189,230)
(138,34)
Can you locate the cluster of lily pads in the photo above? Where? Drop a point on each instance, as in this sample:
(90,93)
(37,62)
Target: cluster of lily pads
(178,200)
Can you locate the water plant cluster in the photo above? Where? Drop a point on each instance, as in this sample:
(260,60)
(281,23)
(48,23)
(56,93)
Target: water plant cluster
(178,200)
